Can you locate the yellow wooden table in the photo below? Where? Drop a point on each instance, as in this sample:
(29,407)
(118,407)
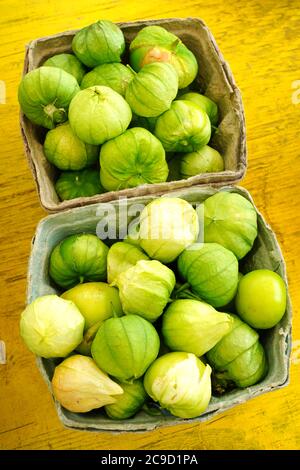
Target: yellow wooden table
(260,40)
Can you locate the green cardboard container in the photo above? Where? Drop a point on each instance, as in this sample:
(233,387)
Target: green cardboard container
(265,254)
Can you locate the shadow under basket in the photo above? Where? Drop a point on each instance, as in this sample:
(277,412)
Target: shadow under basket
(214,79)
(264,254)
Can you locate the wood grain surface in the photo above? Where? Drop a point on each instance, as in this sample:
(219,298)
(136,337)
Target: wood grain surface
(261,42)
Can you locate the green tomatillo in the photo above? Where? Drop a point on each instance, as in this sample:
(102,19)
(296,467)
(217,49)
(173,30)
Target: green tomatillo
(122,256)
(238,357)
(66,151)
(69,63)
(145,288)
(261,298)
(193,326)
(205,103)
(180,383)
(125,347)
(183,128)
(51,326)
(96,301)
(211,271)
(152,90)
(73,184)
(134,158)
(230,220)
(98,114)
(99,43)
(204,160)
(129,403)
(156,44)
(167,226)
(78,258)
(45,94)
(116,76)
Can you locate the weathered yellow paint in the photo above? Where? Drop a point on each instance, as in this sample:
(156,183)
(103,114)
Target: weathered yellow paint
(261,42)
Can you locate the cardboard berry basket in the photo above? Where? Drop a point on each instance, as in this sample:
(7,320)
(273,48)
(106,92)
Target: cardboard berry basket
(264,254)
(214,79)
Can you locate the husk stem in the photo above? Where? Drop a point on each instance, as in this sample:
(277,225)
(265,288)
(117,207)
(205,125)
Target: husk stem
(175,44)
(183,291)
(180,287)
(57,115)
(131,69)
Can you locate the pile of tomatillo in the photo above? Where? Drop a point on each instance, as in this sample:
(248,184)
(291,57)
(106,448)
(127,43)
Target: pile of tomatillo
(152,319)
(113,126)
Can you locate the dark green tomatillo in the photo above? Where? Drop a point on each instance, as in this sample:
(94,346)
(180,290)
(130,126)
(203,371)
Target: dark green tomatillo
(78,258)
(72,184)
(239,356)
(129,403)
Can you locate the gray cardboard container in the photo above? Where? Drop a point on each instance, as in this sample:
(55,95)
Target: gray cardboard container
(265,254)
(214,79)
